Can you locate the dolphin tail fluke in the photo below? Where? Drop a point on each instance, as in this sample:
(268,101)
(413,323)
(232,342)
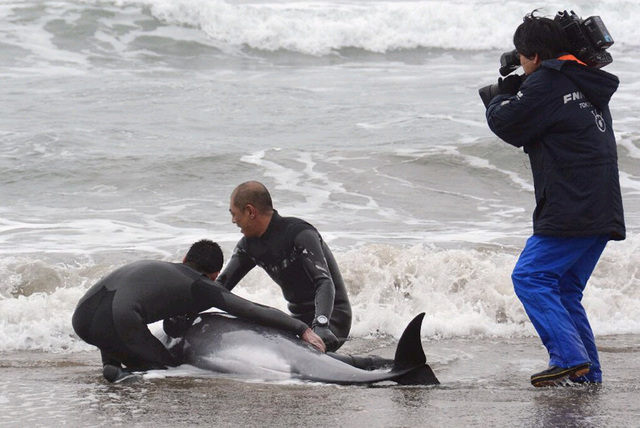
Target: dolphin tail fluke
(420,376)
(409,354)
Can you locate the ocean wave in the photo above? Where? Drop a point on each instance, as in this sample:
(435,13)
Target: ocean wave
(320,28)
(464,292)
(170,32)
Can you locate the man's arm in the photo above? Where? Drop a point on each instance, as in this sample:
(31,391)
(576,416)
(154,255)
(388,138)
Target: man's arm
(236,269)
(522,118)
(316,267)
(211,294)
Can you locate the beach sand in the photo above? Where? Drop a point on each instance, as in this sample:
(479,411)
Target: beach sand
(485,382)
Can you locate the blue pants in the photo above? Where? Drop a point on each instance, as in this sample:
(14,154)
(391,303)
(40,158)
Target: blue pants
(549,279)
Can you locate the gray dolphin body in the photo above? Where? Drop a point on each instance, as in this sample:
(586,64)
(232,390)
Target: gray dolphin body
(221,343)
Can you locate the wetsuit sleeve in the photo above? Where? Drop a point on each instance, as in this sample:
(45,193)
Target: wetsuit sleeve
(236,269)
(521,119)
(211,294)
(316,267)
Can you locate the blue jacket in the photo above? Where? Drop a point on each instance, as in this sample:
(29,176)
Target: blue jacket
(561,118)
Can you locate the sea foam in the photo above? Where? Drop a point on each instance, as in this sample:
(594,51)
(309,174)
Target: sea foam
(319,28)
(464,292)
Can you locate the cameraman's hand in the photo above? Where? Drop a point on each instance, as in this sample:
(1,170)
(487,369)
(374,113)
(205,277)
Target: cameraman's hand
(510,84)
(330,340)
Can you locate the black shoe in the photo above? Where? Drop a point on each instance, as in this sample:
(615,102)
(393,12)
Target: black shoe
(584,380)
(116,374)
(554,375)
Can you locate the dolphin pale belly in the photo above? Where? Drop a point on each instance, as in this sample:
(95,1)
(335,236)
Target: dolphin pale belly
(222,343)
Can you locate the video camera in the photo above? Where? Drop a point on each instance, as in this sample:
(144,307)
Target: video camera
(588,40)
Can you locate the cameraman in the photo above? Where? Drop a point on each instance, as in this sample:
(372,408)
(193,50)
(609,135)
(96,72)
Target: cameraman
(560,116)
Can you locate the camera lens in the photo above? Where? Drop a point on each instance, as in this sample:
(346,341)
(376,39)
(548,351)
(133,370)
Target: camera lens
(488,92)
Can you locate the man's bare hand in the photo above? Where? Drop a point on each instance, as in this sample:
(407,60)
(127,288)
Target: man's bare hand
(316,341)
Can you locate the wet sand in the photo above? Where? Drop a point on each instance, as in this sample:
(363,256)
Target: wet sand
(485,382)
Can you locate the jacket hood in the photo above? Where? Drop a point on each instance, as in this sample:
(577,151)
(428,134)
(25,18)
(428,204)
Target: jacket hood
(597,85)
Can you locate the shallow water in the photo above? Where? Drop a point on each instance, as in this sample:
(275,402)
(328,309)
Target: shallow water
(485,382)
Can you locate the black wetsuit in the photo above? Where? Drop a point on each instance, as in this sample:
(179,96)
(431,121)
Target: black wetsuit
(294,255)
(114,313)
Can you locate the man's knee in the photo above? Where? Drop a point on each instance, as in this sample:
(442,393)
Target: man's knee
(520,280)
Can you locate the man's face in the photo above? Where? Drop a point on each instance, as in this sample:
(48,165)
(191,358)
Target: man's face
(241,217)
(529,65)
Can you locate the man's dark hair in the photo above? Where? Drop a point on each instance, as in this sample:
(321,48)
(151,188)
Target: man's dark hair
(205,256)
(254,193)
(539,35)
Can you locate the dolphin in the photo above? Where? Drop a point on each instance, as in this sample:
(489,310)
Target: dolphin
(221,343)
